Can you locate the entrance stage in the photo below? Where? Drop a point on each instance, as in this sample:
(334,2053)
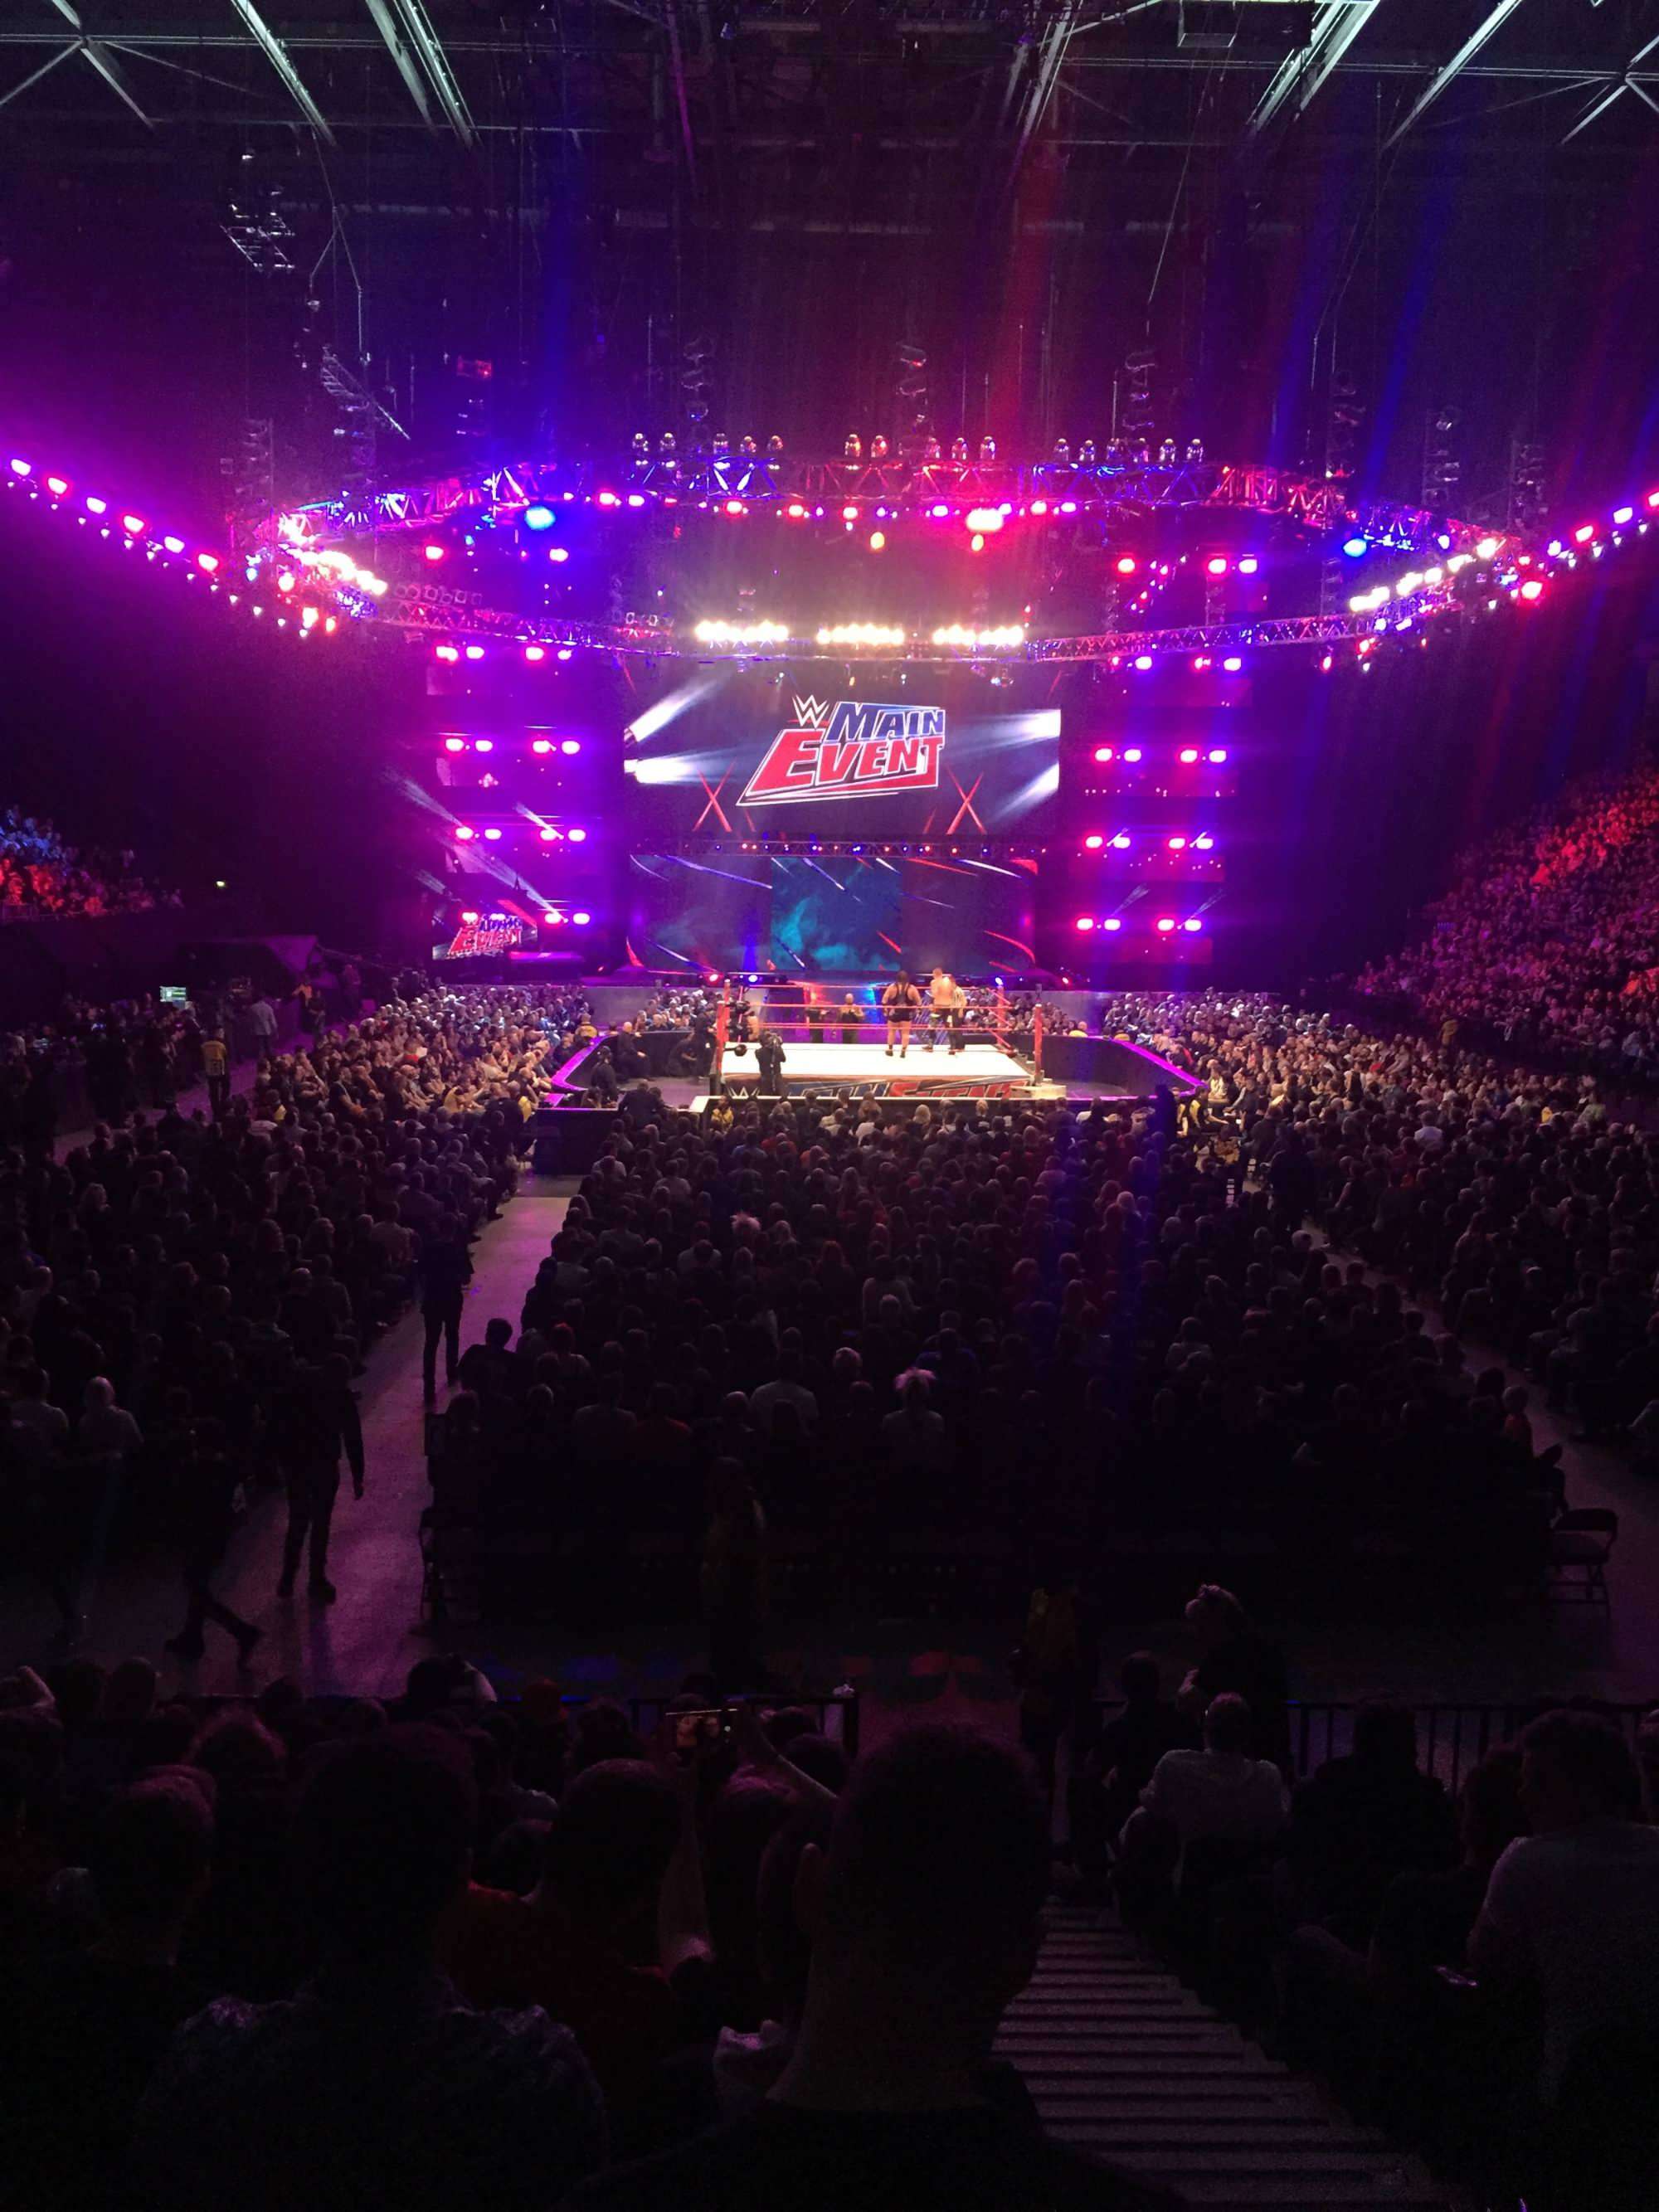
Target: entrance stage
(978,1070)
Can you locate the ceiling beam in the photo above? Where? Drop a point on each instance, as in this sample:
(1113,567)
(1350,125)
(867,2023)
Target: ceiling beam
(1493,22)
(386,24)
(435,61)
(71,46)
(276,54)
(1300,77)
(103,60)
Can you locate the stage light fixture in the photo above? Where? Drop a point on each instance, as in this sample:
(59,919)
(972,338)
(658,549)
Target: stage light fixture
(1201,662)
(173,544)
(97,506)
(581,919)
(1217,754)
(539,517)
(469,914)
(565,652)
(1111,922)
(57,486)
(1583,534)
(849,514)
(433,552)
(454,744)
(878,540)
(1487,548)
(1532,589)
(133,524)
(1249,565)
(1143,661)
(22,468)
(1356,548)
(484,745)
(549,835)
(1188,755)
(463,833)
(1085,921)
(1105,753)
(1121,842)
(1232,664)
(1039,507)
(1177,844)
(1203,844)
(578,836)
(570,745)
(541,744)
(534,653)
(475,653)
(735,506)
(1166,923)
(1093,844)
(985,519)
(1133,755)
(1623,515)
(1191,923)
(208,563)
(1216,565)
(559,553)
(284,582)
(446,652)
(494,836)
(1125,564)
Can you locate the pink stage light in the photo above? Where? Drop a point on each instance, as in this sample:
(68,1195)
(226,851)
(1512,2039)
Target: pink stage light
(435,552)
(1085,921)
(1191,923)
(568,745)
(1583,534)
(1249,565)
(1125,564)
(1216,565)
(285,581)
(795,511)
(1201,662)
(554,916)
(1532,589)
(470,916)
(465,834)
(1039,507)
(454,744)
(735,506)
(1121,842)
(475,653)
(1623,515)
(1143,662)
(446,652)
(494,836)
(1217,755)
(173,544)
(849,514)
(57,486)
(940,511)
(133,524)
(1131,755)
(22,468)
(484,745)
(1111,922)
(534,652)
(1166,923)
(565,652)
(1068,506)
(609,499)
(877,541)
(549,836)
(1093,844)
(541,744)
(1188,753)
(1232,664)
(581,919)
(97,507)
(1104,753)
(208,563)
(637,499)
(578,836)
(1177,844)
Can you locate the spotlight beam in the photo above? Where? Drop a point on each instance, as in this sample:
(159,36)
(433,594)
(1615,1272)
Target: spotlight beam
(1437,83)
(276,54)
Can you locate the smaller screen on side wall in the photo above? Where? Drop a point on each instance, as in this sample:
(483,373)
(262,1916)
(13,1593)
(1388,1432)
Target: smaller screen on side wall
(923,752)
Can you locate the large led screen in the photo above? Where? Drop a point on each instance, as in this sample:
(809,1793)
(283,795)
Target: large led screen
(817,750)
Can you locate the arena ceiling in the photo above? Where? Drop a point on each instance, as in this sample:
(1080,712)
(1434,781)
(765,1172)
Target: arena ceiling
(508,222)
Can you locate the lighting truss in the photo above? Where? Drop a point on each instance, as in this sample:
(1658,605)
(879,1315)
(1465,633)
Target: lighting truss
(741,484)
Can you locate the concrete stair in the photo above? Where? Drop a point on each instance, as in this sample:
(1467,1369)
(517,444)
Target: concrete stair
(1123,2061)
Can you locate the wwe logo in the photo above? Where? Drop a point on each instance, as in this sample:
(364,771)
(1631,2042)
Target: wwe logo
(855,747)
(810,713)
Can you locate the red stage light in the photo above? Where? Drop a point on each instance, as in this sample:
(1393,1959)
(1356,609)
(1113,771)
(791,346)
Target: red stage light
(1217,754)
(1132,754)
(1125,564)
(849,514)
(454,744)
(1188,754)
(133,524)
(734,506)
(57,486)
(1085,921)
(541,744)
(549,837)
(1166,923)
(1583,534)
(1104,753)
(1532,589)
(1216,565)
(465,834)
(207,562)
(1177,844)
(1093,844)
(433,552)
(446,652)
(475,653)
(534,653)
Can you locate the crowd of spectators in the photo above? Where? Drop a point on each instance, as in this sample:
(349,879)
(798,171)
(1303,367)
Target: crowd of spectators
(184,1298)
(1548,940)
(42,875)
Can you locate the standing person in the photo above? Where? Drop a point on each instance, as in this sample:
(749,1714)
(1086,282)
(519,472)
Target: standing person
(941,989)
(207,1483)
(852,1016)
(317,1423)
(899,1002)
(442,1273)
(215,1070)
(262,1025)
(768,1058)
(1051,1670)
(956,1016)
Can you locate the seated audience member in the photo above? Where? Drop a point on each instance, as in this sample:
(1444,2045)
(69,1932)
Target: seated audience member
(376,2086)
(922,1919)
(1122,1758)
(1238,1661)
(1359,1821)
(1570,1919)
(622,1877)
(1424,1919)
(1218,1791)
(81,2034)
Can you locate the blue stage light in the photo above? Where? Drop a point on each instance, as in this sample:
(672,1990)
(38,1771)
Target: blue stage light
(539,517)
(1356,548)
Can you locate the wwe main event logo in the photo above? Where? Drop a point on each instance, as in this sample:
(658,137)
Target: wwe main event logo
(855,747)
